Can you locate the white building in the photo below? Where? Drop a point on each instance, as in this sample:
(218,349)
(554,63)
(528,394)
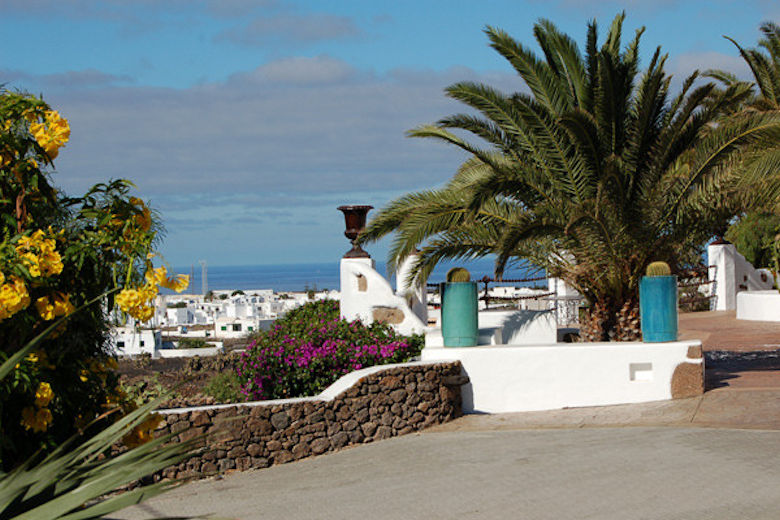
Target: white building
(131,341)
(227,327)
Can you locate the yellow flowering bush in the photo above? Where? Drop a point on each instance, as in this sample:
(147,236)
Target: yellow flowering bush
(13,296)
(56,254)
(138,302)
(51,132)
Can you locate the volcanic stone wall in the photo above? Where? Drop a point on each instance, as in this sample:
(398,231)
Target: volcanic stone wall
(394,401)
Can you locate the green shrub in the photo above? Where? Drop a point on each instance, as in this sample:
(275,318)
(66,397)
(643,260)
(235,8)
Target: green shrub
(193,343)
(225,388)
(753,235)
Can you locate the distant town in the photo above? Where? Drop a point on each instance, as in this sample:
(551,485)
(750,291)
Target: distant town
(186,325)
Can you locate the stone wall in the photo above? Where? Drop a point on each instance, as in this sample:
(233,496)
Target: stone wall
(389,402)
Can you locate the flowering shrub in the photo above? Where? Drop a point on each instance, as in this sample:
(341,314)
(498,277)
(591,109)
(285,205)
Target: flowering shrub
(311,347)
(58,253)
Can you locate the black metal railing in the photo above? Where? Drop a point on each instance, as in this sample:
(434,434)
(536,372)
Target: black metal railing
(567,308)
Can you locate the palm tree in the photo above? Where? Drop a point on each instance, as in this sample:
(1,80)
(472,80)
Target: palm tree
(592,175)
(761,201)
(765,69)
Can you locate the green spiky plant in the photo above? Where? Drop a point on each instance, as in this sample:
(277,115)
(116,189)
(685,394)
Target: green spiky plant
(458,274)
(73,482)
(754,233)
(596,170)
(658,269)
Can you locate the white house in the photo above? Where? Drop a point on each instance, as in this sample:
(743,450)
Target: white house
(130,341)
(227,327)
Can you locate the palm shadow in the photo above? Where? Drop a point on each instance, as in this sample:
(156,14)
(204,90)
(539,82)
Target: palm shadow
(722,365)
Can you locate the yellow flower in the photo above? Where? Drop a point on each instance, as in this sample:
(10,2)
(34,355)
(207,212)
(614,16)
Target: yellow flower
(13,297)
(136,302)
(30,261)
(39,358)
(84,376)
(39,255)
(156,276)
(62,305)
(160,277)
(36,420)
(143,313)
(177,283)
(52,134)
(127,299)
(45,308)
(56,305)
(43,395)
(144,432)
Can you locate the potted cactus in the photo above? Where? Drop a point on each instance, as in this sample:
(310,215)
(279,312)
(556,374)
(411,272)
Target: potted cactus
(459,309)
(658,304)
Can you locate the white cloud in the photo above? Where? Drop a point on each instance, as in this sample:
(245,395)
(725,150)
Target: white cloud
(71,79)
(311,126)
(299,70)
(301,135)
(290,29)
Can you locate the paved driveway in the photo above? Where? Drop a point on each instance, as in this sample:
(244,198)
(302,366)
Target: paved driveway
(637,462)
(600,473)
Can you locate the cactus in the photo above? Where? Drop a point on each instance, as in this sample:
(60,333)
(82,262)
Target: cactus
(458,274)
(658,269)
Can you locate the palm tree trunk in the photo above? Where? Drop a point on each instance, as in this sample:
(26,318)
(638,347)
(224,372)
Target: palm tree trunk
(611,321)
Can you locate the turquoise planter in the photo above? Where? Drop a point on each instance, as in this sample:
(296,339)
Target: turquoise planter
(459,313)
(658,308)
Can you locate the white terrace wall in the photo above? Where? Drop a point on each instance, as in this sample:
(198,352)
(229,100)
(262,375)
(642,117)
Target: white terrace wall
(520,378)
(366,295)
(732,274)
(417,294)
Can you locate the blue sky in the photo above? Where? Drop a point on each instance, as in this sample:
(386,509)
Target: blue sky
(247,122)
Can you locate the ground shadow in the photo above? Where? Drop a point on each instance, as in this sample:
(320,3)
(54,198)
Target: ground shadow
(722,365)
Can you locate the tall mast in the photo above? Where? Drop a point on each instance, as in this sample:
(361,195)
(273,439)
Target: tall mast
(204,277)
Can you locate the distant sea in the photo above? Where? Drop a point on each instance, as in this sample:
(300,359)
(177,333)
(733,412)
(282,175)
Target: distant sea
(301,277)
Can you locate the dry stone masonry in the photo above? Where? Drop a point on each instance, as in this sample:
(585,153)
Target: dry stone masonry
(391,402)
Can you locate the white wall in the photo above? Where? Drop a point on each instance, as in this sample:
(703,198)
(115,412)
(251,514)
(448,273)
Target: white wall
(243,324)
(127,341)
(563,290)
(190,352)
(758,305)
(521,327)
(417,294)
(359,298)
(732,274)
(546,377)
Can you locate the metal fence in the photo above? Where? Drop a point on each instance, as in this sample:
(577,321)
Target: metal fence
(566,307)
(696,289)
